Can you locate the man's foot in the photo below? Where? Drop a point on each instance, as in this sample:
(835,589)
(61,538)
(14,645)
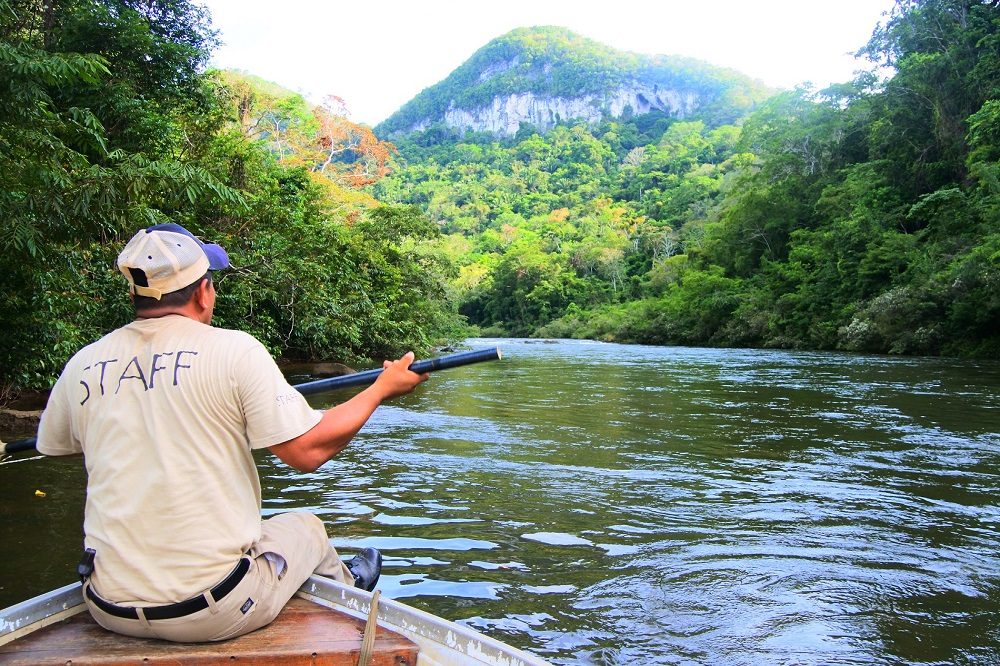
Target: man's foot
(366,567)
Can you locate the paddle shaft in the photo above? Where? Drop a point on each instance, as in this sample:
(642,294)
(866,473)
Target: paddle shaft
(369,376)
(344,381)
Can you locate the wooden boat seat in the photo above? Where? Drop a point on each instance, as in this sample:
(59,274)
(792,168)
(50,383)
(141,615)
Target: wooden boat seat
(303,633)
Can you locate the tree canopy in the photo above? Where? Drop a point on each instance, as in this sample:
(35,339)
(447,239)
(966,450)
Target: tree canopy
(860,217)
(109,122)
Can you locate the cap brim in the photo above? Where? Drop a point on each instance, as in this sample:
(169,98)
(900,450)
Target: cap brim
(217,257)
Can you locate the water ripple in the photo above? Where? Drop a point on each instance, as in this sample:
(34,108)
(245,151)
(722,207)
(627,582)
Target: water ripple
(609,504)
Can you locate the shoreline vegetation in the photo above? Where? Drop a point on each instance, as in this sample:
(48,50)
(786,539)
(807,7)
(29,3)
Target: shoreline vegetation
(864,217)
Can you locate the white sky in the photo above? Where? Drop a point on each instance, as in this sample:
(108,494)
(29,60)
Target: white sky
(378,54)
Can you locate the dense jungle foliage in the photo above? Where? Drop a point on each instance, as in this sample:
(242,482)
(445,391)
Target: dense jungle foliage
(109,122)
(861,217)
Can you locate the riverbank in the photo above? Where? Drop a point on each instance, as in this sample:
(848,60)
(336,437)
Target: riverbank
(19,418)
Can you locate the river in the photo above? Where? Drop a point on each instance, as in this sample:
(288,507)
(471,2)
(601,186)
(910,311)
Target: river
(609,504)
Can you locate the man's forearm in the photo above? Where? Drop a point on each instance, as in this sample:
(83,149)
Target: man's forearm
(334,431)
(340,424)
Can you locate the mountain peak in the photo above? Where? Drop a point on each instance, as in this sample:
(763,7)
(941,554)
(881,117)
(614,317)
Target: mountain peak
(546,74)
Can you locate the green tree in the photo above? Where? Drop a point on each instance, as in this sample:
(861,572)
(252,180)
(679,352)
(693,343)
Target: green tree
(82,128)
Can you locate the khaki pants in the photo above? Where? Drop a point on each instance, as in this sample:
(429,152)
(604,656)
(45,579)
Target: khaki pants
(296,540)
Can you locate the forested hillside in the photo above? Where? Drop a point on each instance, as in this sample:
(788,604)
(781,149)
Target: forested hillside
(542,75)
(690,210)
(860,217)
(109,122)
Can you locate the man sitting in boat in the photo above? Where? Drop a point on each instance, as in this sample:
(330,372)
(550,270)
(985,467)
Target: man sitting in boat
(167,411)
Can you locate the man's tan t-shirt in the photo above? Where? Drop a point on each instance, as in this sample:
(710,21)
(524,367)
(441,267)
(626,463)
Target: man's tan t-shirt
(166,412)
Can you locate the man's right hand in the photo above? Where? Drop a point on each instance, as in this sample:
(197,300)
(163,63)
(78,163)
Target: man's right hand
(397,379)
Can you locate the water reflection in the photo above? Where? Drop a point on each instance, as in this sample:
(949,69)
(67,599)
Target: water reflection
(607,504)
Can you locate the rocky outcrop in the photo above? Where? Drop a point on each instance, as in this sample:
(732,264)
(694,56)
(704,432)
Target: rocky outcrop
(20,418)
(19,421)
(545,75)
(504,115)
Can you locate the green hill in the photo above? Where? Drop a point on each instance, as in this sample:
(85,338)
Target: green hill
(544,75)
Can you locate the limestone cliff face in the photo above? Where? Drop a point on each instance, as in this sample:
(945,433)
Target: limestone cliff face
(504,115)
(545,75)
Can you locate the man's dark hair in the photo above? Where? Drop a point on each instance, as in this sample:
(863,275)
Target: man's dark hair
(171,299)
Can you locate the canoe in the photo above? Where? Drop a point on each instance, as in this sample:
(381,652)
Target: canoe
(325,623)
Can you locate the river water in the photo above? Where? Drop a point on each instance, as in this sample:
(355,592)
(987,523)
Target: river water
(608,504)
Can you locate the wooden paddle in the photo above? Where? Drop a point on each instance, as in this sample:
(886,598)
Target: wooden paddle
(344,381)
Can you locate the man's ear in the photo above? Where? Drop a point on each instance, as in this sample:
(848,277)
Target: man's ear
(202,295)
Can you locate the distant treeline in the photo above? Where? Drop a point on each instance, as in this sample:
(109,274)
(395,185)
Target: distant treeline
(864,217)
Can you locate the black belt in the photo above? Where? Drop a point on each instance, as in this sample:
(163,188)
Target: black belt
(179,609)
